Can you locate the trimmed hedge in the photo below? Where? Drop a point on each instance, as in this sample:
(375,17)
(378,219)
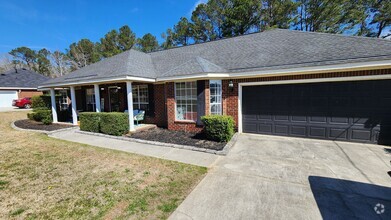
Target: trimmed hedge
(114,123)
(43,115)
(111,123)
(218,127)
(89,121)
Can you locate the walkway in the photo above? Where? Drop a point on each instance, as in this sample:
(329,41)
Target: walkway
(168,153)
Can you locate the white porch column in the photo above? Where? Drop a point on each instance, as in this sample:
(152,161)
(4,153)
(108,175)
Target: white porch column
(73,101)
(54,109)
(97,97)
(130,105)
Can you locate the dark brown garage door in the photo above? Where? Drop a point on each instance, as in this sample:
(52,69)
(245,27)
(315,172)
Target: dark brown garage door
(350,111)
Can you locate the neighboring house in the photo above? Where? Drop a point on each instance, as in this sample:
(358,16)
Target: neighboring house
(277,82)
(19,83)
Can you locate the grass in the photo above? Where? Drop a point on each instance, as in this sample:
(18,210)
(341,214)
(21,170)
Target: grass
(45,178)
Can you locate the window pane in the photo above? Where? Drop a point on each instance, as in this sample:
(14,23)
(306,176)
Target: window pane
(186,101)
(215,97)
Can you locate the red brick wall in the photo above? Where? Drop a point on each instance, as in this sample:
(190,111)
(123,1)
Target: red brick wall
(230,98)
(160,118)
(28,93)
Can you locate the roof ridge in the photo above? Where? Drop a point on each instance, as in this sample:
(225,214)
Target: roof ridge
(335,34)
(216,40)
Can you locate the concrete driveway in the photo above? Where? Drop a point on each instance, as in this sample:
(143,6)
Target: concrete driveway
(268,177)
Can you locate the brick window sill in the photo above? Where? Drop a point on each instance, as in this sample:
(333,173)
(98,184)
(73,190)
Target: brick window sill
(184,122)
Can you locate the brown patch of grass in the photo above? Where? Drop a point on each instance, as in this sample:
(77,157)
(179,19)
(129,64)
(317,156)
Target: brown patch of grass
(41,177)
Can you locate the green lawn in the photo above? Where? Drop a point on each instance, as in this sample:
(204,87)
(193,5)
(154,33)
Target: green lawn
(43,178)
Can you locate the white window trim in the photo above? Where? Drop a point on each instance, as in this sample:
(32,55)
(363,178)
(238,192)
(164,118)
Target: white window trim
(175,104)
(137,87)
(221,96)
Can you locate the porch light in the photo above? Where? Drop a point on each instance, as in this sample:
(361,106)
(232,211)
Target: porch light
(231,85)
(102,89)
(118,87)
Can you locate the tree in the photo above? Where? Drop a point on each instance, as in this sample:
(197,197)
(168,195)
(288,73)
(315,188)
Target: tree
(116,42)
(241,16)
(277,13)
(43,63)
(83,53)
(26,55)
(147,43)
(381,17)
(183,32)
(126,38)
(61,63)
(109,45)
(168,39)
(202,25)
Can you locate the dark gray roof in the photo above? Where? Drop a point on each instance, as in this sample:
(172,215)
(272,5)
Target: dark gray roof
(128,63)
(194,65)
(273,49)
(21,79)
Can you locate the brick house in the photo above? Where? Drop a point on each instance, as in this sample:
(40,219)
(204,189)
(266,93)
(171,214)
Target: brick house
(19,83)
(277,82)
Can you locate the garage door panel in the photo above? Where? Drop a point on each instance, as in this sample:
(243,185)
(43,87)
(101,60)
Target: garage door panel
(318,132)
(299,118)
(281,129)
(265,128)
(298,130)
(351,111)
(361,135)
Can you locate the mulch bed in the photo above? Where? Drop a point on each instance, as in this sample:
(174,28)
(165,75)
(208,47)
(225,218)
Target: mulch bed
(178,137)
(30,124)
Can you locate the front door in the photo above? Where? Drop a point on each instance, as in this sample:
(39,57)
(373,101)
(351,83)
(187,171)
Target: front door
(114,99)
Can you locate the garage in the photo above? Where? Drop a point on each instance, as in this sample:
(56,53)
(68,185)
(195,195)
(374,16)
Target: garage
(6,97)
(356,111)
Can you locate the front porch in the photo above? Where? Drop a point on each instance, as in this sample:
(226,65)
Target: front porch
(128,97)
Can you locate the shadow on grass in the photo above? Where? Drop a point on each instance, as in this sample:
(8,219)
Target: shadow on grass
(344,199)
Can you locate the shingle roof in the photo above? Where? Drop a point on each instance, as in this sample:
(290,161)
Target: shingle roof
(273,49)
(21,79)
(128,63)
(195,65)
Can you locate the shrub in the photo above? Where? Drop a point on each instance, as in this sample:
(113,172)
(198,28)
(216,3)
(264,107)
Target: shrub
(40,114)
(89,121)
(218,127)
(47,120)
(38,102)
(30,115)
(114,123)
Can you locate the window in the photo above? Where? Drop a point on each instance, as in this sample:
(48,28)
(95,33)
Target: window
(90,99)
(140,97)
(215,97)
(63,101)
(186,101)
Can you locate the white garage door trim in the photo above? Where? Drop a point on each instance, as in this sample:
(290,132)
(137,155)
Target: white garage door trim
(6,97)
(335,79)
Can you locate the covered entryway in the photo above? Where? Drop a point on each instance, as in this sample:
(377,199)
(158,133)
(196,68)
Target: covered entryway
(6,97)
(358,111)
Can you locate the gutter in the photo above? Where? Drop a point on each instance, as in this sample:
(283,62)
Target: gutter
(384,64)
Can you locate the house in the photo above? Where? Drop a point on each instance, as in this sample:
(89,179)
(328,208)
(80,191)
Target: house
(277,82)
(19,83)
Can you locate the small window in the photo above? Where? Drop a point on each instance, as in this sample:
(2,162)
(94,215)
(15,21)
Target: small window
(90,100)
(140,97)
(186,101)
(63,101)
(215,97)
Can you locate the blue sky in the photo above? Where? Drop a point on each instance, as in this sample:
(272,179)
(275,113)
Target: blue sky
(54,24)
